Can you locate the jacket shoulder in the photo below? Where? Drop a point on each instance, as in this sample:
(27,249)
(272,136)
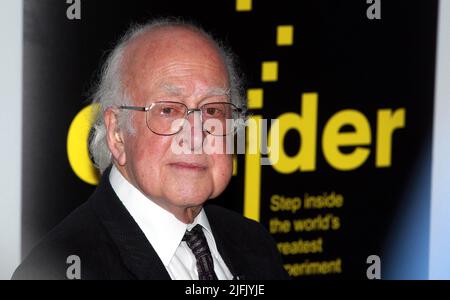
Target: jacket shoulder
(253,247)
(81,236)
(235,222)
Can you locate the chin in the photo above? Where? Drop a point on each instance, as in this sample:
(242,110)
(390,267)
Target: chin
(187,198)
(182,188)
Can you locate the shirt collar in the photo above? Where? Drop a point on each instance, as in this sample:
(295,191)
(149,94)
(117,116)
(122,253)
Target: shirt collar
(161,228)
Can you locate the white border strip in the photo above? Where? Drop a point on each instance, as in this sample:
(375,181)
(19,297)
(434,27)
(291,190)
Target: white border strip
(11,35)
(439,262)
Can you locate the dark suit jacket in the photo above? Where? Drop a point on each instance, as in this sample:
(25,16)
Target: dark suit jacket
(111,245)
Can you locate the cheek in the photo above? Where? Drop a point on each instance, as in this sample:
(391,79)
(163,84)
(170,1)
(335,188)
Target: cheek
(145,156)
(217,145)
(144,146)
(222,172)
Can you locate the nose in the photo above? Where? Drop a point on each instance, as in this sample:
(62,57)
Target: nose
(193,133)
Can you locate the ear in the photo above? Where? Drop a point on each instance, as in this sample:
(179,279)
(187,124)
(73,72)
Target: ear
(115,136)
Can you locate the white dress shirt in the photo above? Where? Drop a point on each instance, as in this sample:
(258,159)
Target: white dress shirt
(165,232)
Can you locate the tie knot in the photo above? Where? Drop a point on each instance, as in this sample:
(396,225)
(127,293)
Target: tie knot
(196,239)
(196,230)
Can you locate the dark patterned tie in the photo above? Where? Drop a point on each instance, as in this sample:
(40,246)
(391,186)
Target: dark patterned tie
(196,241)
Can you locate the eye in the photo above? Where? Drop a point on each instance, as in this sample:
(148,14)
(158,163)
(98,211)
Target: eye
(212,111)
(171,110)
(166,110)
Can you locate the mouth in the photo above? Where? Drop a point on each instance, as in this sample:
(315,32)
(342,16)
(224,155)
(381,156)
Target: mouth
(188,166)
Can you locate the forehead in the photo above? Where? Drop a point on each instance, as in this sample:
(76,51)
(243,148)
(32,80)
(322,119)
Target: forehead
(175,61)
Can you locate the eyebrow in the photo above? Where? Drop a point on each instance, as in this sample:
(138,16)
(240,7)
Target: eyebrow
(216,91)
(174,90)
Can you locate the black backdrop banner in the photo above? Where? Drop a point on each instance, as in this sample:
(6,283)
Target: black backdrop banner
(352,96)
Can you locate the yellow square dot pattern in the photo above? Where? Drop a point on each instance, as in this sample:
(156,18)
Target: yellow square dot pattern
(255,98)
(243,5)
(269,72)
(285,35)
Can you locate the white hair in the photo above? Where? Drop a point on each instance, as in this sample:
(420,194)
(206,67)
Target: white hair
(110,90)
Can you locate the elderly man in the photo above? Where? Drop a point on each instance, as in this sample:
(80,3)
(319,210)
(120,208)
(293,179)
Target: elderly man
(167,91)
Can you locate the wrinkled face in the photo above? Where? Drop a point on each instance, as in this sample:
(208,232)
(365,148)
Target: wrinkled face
(174,64)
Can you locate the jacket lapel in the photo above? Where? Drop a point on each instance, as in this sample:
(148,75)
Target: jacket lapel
(227,246)
(136,252)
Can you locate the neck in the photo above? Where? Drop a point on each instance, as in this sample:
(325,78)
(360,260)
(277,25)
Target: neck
(186,215)
(182,213)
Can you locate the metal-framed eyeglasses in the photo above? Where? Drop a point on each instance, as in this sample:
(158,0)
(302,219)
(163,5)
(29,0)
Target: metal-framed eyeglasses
(168,117)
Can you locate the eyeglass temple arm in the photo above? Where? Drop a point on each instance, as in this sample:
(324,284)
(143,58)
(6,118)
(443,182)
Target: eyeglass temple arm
(138,108)
(142,108)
